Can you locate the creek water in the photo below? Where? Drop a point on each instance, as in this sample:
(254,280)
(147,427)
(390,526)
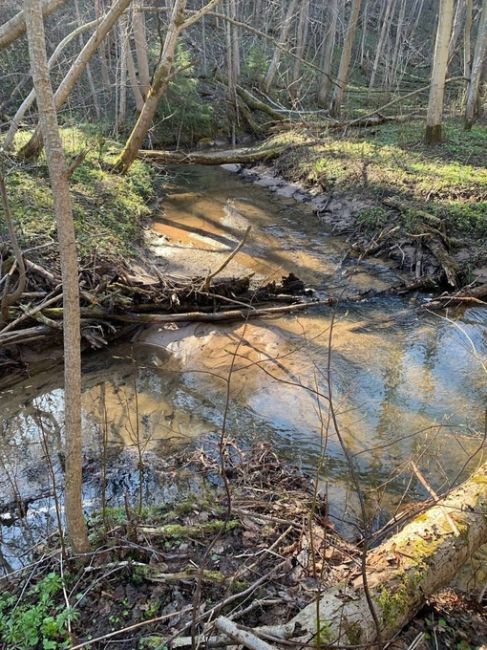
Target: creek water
(406,385)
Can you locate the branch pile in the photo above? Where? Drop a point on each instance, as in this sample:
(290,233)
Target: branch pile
(117,295)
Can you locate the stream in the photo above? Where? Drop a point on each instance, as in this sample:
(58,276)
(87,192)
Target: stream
(406,384)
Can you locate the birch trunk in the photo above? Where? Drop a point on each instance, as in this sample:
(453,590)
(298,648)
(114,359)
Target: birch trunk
(283,36)
(69,267)
(434,117)
(477,69)
(34,145)
(402,573)
(328,51)
(15,27)
(343,72)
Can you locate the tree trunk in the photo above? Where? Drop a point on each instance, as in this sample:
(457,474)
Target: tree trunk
(140,38)
(301,37)
(30,99)
(89,74)
(341,82)
(457,28)
(434,117)
(328,52)
(477,66)
(384,32)
(264,151)
(123,68)
(402,573)
(67,243)
(283,36)
(160,81)
(15,27)
(467,39)
(34,145)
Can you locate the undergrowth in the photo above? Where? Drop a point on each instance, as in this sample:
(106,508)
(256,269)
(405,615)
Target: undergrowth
(108,209)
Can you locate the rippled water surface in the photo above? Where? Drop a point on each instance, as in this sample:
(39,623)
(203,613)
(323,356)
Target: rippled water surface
(405,384)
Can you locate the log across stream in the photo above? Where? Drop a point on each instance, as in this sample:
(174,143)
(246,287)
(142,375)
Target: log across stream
(407,385)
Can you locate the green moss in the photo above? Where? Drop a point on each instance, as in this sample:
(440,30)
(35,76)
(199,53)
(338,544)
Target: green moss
(392,604)
(108,209)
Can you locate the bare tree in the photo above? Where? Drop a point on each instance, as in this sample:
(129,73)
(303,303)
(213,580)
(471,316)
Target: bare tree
(160,81)
(15,27)
(343,71)
(67,243)
(434,117)
(34,145)
(328,51)
(477,68)
(142,57)
(283,36)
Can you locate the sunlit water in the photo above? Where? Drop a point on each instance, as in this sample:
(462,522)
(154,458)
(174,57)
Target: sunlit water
(406,385)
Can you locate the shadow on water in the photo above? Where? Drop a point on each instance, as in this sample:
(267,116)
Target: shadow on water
(406,385)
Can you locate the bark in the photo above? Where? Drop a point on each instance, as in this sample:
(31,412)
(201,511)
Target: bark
(328,50)
(89,73)
(67,243)
(457,28)
(467,43)
(15,27)
(343,71)
(283,36)
(243,155)
(123,69)
(402,573)
(140,38)
(160,81)
(384,32)
(34,146)
(477,69)
(300,48)
(434,117)
(29,100)
(136,89)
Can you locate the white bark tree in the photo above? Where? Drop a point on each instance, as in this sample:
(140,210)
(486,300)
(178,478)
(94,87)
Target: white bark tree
(328,51)
(67,244)
(477,68)
(346,59)
(434,118)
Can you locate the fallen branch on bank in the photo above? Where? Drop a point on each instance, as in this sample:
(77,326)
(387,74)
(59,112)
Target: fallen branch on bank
(469,295)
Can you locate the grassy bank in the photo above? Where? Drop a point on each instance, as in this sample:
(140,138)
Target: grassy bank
(109,210)
(448,181)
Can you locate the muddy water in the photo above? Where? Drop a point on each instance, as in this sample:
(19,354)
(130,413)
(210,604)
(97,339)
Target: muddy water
(406,385)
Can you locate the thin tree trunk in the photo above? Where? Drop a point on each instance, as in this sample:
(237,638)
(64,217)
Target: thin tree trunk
(283,36)
(140,38)
(344,70)
(458,22)
(160,81)
(30,99)
(122,66)
(467,39)
(384,32)
(15,27)
(328,51)
(67,243)
(34,145)
(300,48)
(134,82)
(434,117)
(89,74)
(477,69)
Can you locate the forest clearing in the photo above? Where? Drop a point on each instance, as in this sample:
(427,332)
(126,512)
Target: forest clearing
(243,324)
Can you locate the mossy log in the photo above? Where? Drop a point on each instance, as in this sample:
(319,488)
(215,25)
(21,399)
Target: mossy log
(243,155)
(402,572)
(181,531)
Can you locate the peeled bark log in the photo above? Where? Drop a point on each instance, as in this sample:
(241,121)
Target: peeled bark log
(402,573)
(244,155)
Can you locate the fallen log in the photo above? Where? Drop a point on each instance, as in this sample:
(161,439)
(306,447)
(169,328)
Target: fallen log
(475,295)
(244,155)
(402,573)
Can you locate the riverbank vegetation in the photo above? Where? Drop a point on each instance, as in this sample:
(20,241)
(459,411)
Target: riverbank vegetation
(370,111)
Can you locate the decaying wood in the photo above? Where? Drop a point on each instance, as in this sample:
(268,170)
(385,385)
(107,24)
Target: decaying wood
(244,155)
(412,565)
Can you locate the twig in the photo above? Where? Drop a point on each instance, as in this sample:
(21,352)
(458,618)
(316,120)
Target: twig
(242,637)
(206,284)
(434,494)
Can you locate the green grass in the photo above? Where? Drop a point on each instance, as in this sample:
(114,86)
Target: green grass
(108,209)
(449,180)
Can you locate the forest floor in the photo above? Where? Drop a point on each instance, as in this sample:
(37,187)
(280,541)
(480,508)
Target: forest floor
(256,554)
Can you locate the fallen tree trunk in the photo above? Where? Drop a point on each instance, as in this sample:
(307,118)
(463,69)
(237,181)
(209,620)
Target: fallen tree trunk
(412,565)
(243,155)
